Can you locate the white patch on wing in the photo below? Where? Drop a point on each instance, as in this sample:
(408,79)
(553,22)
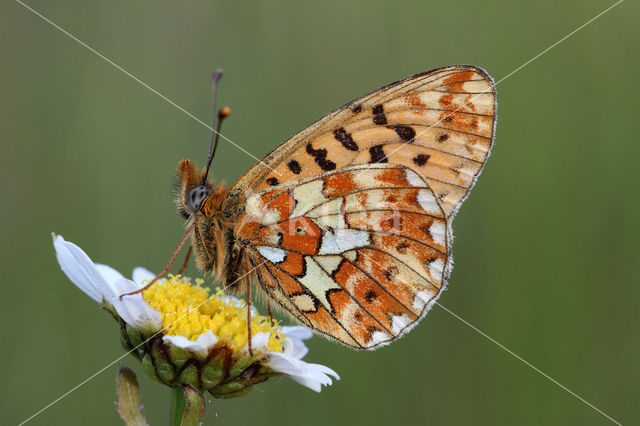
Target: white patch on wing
(318,282)
(351,255)
(367,178)
(437,232)
(378,337)
(428,202)
(328,263)
(341,240)
(271,237)
(270,216)
(255,206)
(415,180)
(331,207)
(365,200)
(399,322)
(255,210)
(304,302)
(421,298)
(435,269)
(272,254)
(307,196)
(331,221)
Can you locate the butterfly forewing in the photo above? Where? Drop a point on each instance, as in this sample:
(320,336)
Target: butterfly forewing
(349,221)
(440,123)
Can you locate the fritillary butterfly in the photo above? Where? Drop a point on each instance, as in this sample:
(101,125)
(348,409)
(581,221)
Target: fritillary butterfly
(347,225)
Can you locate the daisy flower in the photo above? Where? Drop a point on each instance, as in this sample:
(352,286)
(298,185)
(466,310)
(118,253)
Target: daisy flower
(184,335)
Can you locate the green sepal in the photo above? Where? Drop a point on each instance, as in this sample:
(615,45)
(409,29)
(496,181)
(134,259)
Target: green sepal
(165,370)
(211,375)
(243,383)
(109,308)
(231,390)
(239,367)
(189,376)
(178,355)
(215,369)
(135,339)
(149,368)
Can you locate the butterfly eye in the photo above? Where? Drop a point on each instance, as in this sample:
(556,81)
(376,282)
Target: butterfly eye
(196,196)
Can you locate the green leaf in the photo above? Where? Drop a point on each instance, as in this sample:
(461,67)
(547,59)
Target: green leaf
(128,404)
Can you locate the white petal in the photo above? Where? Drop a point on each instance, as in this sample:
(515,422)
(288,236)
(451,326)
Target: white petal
(108,273)
(80,269)
(294,342)
(313,376)
(201,345)
(141,275)
(133,309)
(260,341)
(297,332)
(111,276)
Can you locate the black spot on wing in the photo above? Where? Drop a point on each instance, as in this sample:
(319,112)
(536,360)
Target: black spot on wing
(391,273)
(406,133)
(371,296)
(377,154)
(294,166)
(421,159)
(378,115)
(345,139)
(272,181)
(443,137)
(356,109)
(320,155)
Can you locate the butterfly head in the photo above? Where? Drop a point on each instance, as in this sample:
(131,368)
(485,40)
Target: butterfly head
(196,196)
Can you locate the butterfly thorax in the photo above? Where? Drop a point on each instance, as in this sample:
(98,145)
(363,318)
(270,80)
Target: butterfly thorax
(216,250)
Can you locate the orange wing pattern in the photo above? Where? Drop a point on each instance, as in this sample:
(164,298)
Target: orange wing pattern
(356,254)
(349,222)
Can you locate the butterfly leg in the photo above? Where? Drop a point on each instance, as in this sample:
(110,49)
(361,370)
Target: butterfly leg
(270,313)
(249,318)
(186,261)
(169,263)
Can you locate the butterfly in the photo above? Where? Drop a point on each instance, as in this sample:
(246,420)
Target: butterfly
(347,225)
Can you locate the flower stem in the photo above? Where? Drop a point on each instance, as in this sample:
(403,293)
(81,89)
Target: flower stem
(178,405)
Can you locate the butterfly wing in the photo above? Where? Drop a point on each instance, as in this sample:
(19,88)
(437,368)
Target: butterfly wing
(348,222)
(440,123)
(357,253)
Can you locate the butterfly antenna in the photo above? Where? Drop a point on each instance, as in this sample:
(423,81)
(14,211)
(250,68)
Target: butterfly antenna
(215,134)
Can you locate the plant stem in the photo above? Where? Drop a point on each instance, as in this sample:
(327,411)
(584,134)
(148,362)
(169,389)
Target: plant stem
(178,405)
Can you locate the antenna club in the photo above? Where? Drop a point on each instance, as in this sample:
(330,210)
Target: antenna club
(224,112)
(216,75)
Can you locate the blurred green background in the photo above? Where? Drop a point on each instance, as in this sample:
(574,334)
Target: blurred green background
(546,249)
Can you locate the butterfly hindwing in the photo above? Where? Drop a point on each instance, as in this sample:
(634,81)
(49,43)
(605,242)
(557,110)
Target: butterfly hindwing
(357,254)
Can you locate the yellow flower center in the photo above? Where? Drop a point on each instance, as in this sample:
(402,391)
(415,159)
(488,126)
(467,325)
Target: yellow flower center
(189,310)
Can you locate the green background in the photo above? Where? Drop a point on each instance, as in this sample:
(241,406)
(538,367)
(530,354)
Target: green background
(547,245)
